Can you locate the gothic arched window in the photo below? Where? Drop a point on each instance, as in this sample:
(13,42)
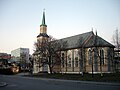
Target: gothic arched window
(76,56)
(89,56)
(69,58)
(102,56)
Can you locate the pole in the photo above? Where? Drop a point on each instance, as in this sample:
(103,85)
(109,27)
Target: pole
(92,66)
(101,66)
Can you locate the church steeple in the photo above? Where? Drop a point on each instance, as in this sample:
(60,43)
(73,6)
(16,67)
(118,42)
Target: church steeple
(43,20)
(43,28)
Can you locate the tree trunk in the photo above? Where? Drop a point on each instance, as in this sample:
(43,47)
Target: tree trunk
(101,66)
(50,65)
(50,68)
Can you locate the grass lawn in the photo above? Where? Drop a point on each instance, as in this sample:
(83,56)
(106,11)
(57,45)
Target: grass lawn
(110,77)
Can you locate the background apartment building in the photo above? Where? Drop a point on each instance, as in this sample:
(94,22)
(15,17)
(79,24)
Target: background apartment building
(21,56)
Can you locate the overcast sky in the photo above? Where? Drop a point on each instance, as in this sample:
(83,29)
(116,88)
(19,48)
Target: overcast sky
(20,20)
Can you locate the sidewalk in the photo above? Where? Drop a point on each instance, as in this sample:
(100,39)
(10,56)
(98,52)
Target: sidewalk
(2,84)
(22,74)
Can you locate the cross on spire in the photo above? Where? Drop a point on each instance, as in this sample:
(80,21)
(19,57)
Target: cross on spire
(44,10)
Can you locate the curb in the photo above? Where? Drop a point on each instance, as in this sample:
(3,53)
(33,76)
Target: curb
(2,84)
(82,82)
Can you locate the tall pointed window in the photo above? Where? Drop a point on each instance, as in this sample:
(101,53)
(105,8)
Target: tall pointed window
(76,56)
(89,56)
(102,56)
(69,58)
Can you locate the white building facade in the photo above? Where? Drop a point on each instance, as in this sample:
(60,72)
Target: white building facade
(17,54)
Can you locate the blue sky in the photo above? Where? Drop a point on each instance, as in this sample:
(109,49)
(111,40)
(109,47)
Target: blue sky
(20,20)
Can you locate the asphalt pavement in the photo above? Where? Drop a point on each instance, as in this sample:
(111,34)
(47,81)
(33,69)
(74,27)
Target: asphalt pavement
(18,82)
(3,84)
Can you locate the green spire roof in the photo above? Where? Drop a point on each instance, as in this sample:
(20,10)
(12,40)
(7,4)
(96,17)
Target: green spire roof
(43,20)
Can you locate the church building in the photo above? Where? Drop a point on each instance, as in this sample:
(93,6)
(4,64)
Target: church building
(83,53)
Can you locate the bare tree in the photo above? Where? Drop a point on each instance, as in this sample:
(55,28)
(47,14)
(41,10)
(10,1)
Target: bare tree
(23,61)
(116,39)
(98,54)
(48,52)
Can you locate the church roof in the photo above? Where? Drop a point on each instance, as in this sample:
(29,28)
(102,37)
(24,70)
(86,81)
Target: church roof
(87,39)
(98,42)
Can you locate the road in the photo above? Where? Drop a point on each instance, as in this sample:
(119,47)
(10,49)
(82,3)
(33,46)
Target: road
(27,83)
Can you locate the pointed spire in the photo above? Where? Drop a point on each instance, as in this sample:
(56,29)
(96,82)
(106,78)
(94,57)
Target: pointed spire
(96,32)
(92,28)
(96,41)
(43,19)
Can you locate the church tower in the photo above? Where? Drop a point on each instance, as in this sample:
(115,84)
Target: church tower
(43,30)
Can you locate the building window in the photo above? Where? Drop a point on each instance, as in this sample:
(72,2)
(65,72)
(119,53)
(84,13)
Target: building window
(89,56)
(102,56)
(69,58)
(76,56)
